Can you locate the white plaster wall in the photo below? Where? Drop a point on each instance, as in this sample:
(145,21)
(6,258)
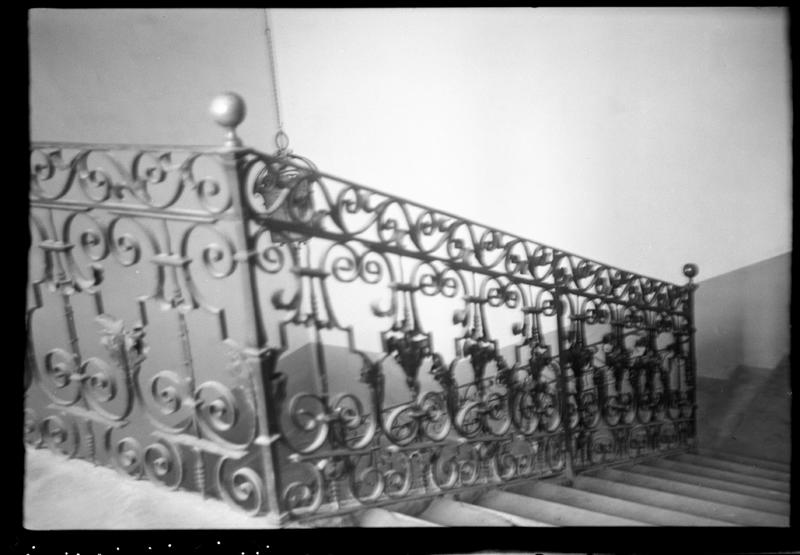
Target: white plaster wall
(145,76)
(646,138)
(743,318)
(642,137)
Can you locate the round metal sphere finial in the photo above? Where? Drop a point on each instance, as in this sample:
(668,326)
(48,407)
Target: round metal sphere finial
(228,110)
(690,270)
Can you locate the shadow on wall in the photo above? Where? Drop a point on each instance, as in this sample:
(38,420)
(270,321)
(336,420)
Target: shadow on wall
(743,318)
(749,413)
(743,346)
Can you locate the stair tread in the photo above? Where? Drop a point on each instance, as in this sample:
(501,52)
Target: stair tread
(717,483)
(449,512)
(674,482)
(554,513)
(611,482)
(382,518)
(736,457)
(611,505)
(750,469)
(687,468)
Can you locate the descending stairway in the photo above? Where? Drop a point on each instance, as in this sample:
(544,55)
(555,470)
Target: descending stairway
(703,488)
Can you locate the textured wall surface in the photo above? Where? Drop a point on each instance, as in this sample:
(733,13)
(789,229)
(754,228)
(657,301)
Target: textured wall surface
(748,413)
(743,318)
(146,76)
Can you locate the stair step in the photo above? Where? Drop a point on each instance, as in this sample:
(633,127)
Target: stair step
(449,512)
(610,482)
(734,457)
(716,483)
(749,469)
(556,514)
(719,474)
(647,476)
(381,518)
(622,508)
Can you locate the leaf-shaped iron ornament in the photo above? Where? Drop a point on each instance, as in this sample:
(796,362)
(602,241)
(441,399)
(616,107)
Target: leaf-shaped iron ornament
(286,191)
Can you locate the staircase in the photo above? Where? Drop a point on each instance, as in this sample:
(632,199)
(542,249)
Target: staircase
(703,488)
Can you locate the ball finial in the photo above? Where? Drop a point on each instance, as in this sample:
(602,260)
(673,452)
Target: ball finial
(228,110)
(690,270)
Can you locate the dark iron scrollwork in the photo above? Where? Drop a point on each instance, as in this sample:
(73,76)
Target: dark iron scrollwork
(411,346)
(534,401)
(286,192)
(580,357)
(483,410)
(612,377)
(676,377)
(616,394)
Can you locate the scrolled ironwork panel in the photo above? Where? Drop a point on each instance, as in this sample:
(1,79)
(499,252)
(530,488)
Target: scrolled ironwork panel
(251,328)
(131,319)
(628,377)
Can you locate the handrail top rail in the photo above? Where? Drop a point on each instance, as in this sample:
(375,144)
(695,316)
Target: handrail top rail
(514,236)
(275,158)
(71,145)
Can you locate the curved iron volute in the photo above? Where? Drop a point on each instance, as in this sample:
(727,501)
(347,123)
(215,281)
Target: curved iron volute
(285,187)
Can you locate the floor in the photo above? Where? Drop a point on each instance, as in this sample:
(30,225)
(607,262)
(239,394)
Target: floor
(58,496)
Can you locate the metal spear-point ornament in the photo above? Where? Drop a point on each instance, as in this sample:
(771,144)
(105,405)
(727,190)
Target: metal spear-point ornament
(228,110)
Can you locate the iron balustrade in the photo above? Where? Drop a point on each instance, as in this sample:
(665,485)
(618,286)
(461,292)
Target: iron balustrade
(170,287)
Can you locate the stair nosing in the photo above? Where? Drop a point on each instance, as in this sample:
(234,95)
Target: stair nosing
(633,505)
(686,468)
(638,470)
(765,473)
(696,504)
(622,521)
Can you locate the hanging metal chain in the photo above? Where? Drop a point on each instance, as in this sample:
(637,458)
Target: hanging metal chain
(281,138)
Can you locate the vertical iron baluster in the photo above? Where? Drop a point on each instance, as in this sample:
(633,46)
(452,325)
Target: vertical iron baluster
(90,442)
(558,294)
(177,302)
(319,347)
(200,472)
(65,285)
(690,271)
(333,491)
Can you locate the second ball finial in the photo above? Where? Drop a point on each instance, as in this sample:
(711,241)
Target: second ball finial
(690,270)
(228,110)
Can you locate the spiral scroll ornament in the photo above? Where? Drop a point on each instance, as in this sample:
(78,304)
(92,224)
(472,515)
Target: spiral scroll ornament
(163,464)
(60,436)
(241,487)
(31,428)
(127,456)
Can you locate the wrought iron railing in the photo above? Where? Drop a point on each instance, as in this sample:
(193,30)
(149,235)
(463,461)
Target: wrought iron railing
(265,334)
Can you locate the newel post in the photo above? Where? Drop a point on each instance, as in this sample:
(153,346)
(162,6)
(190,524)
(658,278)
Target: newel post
(228,110)
(690,271)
